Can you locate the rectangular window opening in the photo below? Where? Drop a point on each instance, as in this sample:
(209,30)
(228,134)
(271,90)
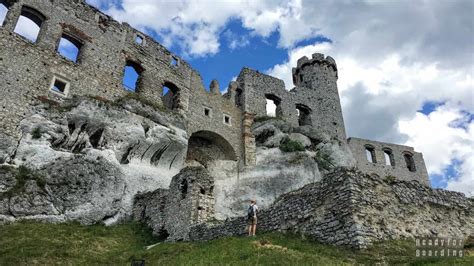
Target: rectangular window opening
(207,112)
(227,119)
(59,86)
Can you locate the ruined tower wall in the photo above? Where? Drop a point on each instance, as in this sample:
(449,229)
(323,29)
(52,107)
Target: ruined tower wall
(396,167)
(316,82)
(316,91)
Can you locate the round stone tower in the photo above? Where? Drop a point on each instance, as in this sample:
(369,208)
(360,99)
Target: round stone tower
(316,78)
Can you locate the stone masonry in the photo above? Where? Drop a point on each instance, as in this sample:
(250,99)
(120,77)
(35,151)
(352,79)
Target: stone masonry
(30,69)
(353,209)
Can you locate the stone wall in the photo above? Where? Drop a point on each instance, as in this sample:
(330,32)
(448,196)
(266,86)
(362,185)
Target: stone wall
(316,98)
(396,166)
(107,46)
(353,209)
(171,213)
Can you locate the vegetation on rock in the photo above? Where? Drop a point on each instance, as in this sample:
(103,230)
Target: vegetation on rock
(288,145)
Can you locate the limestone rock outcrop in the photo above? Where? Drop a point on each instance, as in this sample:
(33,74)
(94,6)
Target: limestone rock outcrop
(86,159)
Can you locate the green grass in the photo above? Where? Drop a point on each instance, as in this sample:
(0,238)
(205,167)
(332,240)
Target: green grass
(72,244)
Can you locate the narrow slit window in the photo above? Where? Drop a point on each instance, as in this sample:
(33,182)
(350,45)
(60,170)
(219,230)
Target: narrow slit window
(370,153)
(69,47)
(29,24)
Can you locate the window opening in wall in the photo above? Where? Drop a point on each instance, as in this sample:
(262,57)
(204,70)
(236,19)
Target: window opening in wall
(59,86)
(207,111)
(29,23)
(370,153)
(304,115)
(410,162)
(170,95)
(238,97)
(389,160)
(69,47)
(183,186)
(3,13)
(139,39)
(227,119)
(174,61)
(131,76)
(273,107)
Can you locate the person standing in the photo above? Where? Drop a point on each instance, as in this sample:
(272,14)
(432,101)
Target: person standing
(252,217)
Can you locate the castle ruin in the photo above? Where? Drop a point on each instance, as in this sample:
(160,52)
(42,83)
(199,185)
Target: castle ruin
(189,129)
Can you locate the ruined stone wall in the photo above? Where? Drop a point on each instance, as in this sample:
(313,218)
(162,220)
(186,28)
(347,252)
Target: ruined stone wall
(353,209)
(315,91)
(28,68)
(383,168)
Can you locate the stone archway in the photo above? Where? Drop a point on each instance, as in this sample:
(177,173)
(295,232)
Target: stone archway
(206,146)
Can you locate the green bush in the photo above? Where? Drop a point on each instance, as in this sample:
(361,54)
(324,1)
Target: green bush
(289,145)
(36,133)
(23,174)
(324,161)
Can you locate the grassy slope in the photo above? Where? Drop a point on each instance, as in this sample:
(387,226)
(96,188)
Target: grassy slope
(35,243)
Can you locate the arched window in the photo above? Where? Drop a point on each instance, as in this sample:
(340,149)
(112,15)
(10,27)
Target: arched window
(131,76)
(170,95)
(273,107)
(388,154)
(370,153)
(69,47)
(3,12)
(304,114)
(409,162)
(29,23)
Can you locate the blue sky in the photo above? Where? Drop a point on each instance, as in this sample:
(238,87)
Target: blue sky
(405,67)
(405,73)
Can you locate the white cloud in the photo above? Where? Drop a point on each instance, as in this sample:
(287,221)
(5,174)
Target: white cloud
(197,25)
(392,58)
(442,144)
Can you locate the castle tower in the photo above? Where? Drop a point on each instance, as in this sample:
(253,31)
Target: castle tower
(316,82)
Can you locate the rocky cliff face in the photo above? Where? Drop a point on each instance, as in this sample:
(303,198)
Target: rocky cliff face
(287,159)
(84,159)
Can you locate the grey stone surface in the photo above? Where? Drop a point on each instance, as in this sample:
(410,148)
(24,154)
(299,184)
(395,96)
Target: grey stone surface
(353,209)
(101,152)
(92,157)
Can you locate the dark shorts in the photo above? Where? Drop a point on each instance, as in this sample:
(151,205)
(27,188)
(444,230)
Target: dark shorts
(252,221)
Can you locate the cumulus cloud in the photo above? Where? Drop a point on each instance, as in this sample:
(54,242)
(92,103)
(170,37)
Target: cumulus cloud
(392,60)
(393,57)
(443,142)
(196,26)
